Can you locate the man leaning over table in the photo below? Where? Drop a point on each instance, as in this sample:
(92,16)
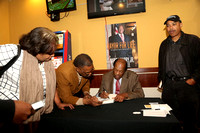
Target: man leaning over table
(122,82)
(73,82)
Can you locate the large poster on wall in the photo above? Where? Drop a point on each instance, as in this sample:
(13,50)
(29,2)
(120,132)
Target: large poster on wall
(121,42)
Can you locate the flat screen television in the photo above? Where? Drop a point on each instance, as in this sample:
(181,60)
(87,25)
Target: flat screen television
(103,8)
(57,6)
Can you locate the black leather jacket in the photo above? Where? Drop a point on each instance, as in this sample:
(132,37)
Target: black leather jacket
(190,51)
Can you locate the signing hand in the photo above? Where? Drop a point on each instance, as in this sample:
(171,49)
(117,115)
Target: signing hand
(104,94)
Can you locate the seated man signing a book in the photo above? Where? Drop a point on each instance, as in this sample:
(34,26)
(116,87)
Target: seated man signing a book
(122,82)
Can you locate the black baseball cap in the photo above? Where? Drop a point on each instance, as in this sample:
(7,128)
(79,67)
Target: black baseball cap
(174,18)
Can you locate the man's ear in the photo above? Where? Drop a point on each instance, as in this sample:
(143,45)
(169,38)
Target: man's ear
(181,24)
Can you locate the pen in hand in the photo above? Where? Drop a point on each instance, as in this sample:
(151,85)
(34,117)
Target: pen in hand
(104,89)
(97,95)
(104,93)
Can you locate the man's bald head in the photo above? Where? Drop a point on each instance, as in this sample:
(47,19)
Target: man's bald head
(120,67)
(120,61)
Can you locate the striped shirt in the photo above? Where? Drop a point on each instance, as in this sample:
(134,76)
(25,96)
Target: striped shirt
(9,82)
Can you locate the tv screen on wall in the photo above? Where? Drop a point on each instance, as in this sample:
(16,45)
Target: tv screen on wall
(57,6)
(103,8)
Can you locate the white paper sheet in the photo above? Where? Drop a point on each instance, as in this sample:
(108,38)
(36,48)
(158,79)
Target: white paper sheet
(108,100)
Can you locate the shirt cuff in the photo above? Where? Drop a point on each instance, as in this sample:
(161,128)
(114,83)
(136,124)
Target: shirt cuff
(86,92)
(80,101)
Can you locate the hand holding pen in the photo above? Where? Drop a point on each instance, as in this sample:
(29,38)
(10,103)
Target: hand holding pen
(104,94)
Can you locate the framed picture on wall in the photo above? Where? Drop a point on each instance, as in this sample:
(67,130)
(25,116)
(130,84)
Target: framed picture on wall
(103,8)
(121,42)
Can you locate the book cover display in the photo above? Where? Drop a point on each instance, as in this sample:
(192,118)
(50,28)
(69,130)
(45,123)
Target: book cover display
(121,42)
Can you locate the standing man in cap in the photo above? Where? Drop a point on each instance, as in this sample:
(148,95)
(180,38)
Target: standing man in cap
(179,71)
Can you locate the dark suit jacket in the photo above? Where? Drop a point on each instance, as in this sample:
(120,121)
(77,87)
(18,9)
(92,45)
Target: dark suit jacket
(117,38)
(68,83)
(123,50)
(7,110)
(190,51)
(130,84)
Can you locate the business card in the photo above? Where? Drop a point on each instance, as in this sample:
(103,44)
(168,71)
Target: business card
(38,105)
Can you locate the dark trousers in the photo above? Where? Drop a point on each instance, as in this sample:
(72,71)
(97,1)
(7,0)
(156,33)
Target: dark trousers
(184,100)
(19,128)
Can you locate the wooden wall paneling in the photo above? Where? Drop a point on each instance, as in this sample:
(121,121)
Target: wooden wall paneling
(147,76)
